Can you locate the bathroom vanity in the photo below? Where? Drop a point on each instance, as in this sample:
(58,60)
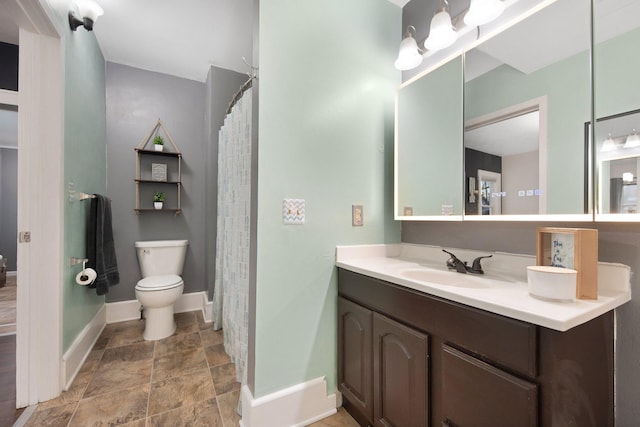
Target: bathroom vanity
(421,346)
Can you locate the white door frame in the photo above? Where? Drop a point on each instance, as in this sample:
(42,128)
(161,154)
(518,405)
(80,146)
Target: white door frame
(40,203)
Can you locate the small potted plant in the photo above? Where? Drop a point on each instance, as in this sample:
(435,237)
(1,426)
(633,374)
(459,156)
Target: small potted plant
(158,200)
(158,143)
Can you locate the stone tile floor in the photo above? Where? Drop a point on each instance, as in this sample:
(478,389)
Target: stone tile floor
(184,380)
(8,306)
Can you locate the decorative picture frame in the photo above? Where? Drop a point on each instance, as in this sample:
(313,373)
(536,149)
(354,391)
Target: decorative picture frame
(159,172)
(575,248)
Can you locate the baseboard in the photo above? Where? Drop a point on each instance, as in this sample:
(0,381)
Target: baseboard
(75,356)
(122,311)
(295,406)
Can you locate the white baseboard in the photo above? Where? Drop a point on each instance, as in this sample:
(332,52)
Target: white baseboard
(295,406)
(75,356)
(130,310)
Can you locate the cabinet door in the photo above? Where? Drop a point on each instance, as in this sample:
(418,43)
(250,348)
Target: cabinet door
(355,359)
(476,394)
(400,374)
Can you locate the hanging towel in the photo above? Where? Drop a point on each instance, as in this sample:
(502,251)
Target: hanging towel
(101,251)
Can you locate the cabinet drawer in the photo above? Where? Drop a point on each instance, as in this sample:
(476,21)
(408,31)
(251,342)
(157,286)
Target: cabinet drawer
(477,394)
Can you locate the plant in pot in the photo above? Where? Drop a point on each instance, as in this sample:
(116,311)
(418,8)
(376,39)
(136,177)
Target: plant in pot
(158,143)
(158,200)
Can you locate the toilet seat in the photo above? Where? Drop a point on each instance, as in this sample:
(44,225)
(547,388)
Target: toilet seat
(159,283)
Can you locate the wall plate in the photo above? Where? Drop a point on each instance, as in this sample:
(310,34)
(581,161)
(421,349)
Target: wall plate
(357,219)
(293,211)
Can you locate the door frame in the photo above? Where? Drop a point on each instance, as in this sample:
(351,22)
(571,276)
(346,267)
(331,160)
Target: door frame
(40,202)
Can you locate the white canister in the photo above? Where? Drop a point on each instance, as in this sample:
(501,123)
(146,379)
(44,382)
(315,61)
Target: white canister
(554,283)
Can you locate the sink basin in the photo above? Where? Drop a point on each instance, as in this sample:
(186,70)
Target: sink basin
(445,278)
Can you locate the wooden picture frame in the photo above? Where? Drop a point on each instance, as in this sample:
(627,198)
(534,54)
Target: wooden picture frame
(575,248)
(159,172)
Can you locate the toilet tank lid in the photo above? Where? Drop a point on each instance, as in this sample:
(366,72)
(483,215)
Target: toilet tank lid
(161,243)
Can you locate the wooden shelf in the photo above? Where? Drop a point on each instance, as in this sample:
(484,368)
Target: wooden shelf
(172,169)
(150,181)
(175,211)
(159,153)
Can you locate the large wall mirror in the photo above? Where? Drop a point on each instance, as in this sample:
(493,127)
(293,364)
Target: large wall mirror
(617,109)
(429,145)
(526,98)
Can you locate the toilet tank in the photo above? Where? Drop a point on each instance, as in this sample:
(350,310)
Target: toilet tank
(161,257)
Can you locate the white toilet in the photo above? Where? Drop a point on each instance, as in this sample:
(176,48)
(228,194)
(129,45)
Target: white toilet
(161,263)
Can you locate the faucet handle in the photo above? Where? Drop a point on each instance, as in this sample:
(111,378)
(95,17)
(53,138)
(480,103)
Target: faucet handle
(476,267)
(454,263)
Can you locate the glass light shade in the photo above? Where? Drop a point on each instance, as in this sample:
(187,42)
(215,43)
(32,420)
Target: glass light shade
(608,145)
(627,177)
(89,9)
(441,32)
(483,11)
(633,140)
(408,56)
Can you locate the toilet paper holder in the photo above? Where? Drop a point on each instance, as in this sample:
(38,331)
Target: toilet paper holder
(73,261)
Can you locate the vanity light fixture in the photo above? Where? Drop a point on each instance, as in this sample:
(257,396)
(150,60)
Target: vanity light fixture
(409,54)
(627,177)
(608,144)
(89,12)
(441,31)
(483,11)
(633,140)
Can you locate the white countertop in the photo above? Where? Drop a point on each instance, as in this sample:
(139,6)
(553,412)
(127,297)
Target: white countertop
(506,292)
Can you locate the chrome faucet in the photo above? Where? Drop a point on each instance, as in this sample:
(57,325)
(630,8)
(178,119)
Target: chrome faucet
(454,263)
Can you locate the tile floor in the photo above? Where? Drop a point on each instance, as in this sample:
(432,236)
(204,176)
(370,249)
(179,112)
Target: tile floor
(184,380)
(8,307)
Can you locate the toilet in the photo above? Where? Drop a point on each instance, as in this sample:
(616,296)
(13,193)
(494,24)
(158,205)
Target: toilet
(161,263)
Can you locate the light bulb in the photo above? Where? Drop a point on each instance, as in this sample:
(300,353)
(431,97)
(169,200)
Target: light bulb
(408,55)
(441,32)
(483,11)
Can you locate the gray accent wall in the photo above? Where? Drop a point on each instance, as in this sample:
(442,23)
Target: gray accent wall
(221,86)
(135,100)
(9,205)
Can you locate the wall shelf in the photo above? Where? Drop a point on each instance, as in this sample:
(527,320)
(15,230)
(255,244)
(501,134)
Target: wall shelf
(169,180)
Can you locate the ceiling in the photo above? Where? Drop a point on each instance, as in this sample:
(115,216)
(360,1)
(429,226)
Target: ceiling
(171,37)
(507,137)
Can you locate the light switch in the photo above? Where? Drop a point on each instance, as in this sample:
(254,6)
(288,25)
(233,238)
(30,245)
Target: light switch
(408,211)
(293,211)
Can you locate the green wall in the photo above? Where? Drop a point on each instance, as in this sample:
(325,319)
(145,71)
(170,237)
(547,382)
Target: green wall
(84,163)
(616,78)
(326,106)
(567,87)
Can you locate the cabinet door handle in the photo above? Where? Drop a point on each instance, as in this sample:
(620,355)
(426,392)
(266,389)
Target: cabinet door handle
(447,423)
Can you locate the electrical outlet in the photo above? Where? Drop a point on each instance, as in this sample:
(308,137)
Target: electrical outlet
(356,216)
(408,211)
(293,211)
(447,209)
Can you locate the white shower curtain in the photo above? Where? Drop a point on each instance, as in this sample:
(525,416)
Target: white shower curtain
(231,289)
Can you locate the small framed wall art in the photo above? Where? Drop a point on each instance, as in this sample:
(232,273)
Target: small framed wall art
(575,248)
(159,172)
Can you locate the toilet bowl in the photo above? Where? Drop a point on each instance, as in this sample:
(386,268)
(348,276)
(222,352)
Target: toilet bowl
(161,264)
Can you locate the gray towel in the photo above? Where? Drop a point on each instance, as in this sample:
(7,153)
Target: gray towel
(100,250)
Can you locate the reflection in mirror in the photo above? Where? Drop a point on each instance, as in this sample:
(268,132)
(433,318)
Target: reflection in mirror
(508,146)
(618,153)
(617,108)
(526,99)
(429,145)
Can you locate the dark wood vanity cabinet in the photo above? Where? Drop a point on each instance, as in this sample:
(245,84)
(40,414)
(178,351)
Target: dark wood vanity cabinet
(406,358)
(380,360)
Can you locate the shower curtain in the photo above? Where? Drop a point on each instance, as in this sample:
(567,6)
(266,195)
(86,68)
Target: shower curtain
(231,288)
